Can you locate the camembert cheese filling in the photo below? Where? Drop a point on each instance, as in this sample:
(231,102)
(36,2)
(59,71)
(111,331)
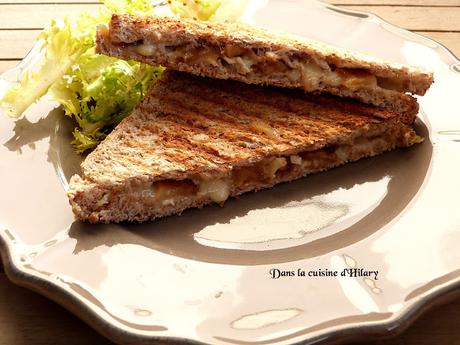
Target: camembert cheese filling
(263,173)
(245,61)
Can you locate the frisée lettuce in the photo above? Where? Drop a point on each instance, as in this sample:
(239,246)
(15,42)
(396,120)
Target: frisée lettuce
(197,9)
(64,46)
(212,10)
(97,91)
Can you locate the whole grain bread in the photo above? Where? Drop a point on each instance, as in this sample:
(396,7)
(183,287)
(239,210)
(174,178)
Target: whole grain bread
(190,129)
(183,36)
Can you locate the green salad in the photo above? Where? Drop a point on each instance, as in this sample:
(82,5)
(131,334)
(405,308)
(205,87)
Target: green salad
(95,90)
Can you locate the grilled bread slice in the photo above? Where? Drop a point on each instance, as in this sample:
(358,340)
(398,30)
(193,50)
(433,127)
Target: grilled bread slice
(193,141)
(256,56)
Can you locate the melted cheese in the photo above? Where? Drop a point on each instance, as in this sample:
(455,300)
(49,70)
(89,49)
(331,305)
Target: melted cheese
(170,192)
(310,74)
(145,49)
(295,159)
(208,57)
(272,167)
(218,190)
(242,63)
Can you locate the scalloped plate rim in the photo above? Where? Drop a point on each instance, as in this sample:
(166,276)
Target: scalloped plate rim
(79,306)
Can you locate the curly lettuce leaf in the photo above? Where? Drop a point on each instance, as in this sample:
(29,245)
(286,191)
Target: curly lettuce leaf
(212,10)
(83,142)
(99,92)
(63,48)
(233,10)
(62,43)
(95,90)
(196,9)
(138,7)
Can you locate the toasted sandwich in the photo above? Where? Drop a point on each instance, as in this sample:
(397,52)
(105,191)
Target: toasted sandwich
(194,141)
(255,56)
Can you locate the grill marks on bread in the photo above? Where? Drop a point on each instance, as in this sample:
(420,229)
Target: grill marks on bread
(308,65)
(193,124)
(193,141)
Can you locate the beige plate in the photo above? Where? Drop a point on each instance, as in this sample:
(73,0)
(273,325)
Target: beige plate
(205,276)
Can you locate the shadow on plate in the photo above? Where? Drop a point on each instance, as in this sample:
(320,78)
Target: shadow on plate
(405,169)
(55,126)
(27,133)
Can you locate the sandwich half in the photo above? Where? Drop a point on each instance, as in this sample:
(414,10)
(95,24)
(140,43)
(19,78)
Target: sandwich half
(255,56)
(194,141)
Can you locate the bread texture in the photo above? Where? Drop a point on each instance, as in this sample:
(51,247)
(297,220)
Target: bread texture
(193,141)
(256,56)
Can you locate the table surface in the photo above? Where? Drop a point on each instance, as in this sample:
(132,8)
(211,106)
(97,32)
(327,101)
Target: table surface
(27,318)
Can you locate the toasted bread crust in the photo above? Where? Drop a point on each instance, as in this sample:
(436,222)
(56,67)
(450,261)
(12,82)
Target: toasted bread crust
(198,128)
(404,104)
(127,29)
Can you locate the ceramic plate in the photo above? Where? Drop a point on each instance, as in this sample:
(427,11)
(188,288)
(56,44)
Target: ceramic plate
(389,226)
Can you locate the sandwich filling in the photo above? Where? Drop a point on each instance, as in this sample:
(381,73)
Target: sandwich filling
(194,141)
(272,64)
(265,173)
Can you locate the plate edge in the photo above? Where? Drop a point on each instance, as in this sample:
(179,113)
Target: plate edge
(76,305)
(379,329)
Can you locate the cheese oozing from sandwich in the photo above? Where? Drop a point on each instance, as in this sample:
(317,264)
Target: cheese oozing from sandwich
(247,61)
(193,141)
(264,173)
